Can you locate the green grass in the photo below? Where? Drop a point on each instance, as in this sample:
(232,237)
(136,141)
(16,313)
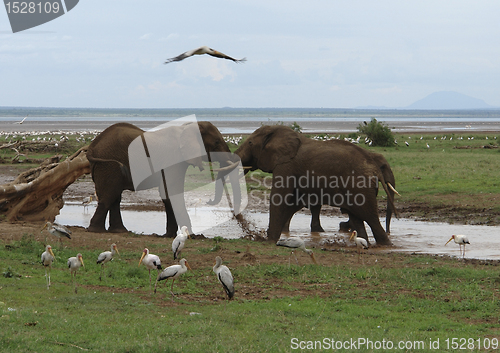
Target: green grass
(403,298)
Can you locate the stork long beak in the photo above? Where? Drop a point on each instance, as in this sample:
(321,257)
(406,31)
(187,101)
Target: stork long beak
(51,253)
(448,241)
(187,265)
(81,261)
(353,234)
(142,257)
(116,249)
(45,226)
(314,259)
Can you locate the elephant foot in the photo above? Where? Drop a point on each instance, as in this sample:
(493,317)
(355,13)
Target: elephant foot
(96,229)
(317,229)
(118,230)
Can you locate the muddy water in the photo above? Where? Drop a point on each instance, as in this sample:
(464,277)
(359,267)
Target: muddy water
(406,235)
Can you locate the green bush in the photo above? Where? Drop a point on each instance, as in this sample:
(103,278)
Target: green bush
(378,133)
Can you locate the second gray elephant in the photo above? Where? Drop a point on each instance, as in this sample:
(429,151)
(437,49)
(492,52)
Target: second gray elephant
(308,172)
(386,170)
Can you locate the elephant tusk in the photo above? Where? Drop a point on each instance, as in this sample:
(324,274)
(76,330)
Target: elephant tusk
(392,188)
(229,167)
(247,167)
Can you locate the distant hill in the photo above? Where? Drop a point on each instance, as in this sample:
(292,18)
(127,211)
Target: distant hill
(449,100)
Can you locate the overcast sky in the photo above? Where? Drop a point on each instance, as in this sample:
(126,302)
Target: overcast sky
(337,54)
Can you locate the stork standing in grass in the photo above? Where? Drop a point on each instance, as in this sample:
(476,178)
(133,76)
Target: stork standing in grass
(460,240)
(173,272)
(296,243)
(47,258)
(151,261)
(360,242)
(179,242)
(106,256)
(58,231)
(74,264)
(225,277)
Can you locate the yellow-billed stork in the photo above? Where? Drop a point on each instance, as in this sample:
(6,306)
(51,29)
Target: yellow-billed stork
(460,240)
(173,272)
(47,258)
(151,261)
(74,264)
(106,256)
(295,243)
(225,277)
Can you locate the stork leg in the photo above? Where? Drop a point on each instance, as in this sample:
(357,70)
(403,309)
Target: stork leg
(47,280)
(172,289)
(296,260)
(100,275)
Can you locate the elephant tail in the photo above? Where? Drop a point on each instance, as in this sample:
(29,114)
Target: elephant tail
(94,160)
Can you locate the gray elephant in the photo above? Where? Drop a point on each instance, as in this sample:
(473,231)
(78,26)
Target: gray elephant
(109,161)
(386,170)
(309,172)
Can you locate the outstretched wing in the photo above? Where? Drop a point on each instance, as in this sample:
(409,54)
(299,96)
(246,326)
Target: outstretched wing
(185,55)
(218,54)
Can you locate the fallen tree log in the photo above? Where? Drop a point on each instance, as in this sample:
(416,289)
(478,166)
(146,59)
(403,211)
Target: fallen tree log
(36,195)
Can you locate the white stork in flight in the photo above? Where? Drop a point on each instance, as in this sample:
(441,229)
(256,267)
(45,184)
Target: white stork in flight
(203,50)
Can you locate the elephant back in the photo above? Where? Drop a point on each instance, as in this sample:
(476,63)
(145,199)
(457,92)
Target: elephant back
(112,144)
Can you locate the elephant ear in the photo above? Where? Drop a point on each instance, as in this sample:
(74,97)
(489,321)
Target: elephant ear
(191,145)
(280,145)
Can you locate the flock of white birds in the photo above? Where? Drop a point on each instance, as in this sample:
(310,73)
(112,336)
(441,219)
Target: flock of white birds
(150,261)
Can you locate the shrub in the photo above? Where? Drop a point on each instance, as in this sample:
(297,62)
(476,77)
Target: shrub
(378,133)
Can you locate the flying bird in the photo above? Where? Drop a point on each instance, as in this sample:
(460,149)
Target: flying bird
(295,243)
(179,242)
(151,261)
(74,264)
(106,256)
(360,242)
(47,259)
(460,240)
(225,277)
(173,272)
(22,121)
(203,50)
(58,231)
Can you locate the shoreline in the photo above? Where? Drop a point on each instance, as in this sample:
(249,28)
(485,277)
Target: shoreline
(238,127)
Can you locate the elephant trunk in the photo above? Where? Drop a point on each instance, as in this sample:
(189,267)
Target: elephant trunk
(228,168)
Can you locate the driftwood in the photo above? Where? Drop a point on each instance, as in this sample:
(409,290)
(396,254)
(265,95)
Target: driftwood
(36,195)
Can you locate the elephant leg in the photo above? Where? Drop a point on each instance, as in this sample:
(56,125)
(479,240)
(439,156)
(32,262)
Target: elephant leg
(286,227)
(369,214)
(359,226)
(115,218)
(378,232)
(315,221)
(172,225)
(281,210)
(98,221)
